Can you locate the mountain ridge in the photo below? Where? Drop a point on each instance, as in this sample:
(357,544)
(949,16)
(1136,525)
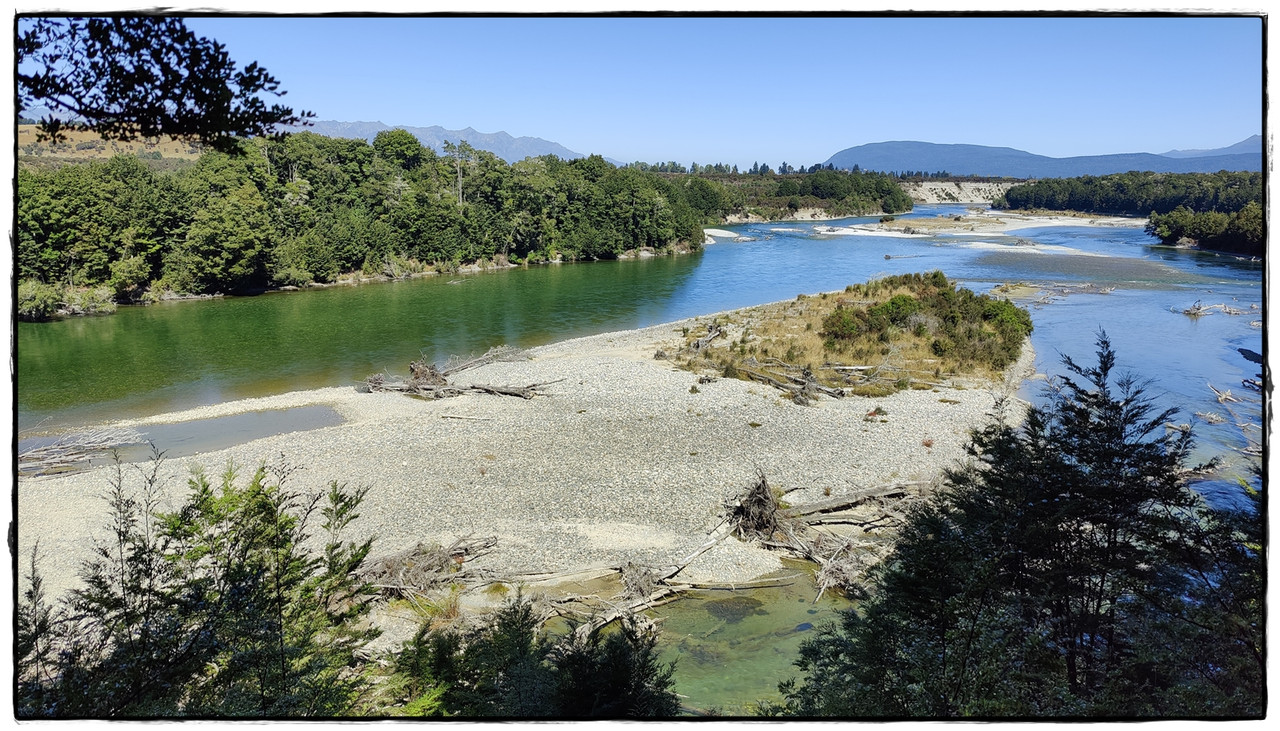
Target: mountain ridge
(504,145)
(1249,146)
(988,161)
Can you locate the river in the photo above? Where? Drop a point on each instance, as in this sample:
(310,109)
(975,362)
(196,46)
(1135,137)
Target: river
(146,360)
(174,355)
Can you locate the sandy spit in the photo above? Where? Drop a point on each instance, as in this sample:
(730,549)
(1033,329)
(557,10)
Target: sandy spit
(622,460)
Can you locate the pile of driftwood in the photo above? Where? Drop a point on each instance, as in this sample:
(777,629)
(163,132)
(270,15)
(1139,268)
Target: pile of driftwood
(73,451)
(1200,310)
(842,559)
(1058,291)
(757,514)
(803,388)
(1253,447)
(413,573)
(428,380)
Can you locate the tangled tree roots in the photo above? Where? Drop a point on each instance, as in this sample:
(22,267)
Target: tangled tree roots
(638,582)
(843,560)
(756,513)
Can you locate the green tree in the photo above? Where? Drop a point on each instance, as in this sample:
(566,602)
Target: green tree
(223,608)
(226,245)
(1248,226)
(130,77)
(400,147)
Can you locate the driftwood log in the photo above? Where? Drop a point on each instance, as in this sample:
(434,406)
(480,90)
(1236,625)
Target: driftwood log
(802,389)
(713,332)
(429,381)
(75,450)
(896,489)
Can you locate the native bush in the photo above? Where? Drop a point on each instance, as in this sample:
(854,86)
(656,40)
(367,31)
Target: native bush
(37,300)
(508,668)
(897,310)
(844,323)
(955,323)
(221,608)
(1065,570)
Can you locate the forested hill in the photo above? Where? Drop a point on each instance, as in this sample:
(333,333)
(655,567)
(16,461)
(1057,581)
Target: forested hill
(1008,162)
(506,147)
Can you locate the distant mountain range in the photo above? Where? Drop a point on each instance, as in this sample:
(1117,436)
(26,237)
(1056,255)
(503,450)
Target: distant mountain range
(1010,163)
(1251,146)
(510,149)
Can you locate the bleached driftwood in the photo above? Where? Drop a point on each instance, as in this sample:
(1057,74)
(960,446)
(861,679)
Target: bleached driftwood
(70,451)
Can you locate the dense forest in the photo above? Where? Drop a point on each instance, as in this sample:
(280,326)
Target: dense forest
(778,195)
(308,209)
(1220,210)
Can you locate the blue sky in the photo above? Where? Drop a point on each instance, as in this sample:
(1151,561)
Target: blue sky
(737,90)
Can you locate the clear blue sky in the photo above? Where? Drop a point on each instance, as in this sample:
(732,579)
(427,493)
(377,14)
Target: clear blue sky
(737,90)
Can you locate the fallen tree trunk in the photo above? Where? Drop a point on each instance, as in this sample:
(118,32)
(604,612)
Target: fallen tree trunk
(843,503)
(431,391)
(801,394)
(722,531)
(73,450)
(655,599)
(524,392)
(866,525)
(425,566)
(713,332)
(734,586)
(501,353)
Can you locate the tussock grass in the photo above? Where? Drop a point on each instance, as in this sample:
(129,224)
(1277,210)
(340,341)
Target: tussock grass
(872,339)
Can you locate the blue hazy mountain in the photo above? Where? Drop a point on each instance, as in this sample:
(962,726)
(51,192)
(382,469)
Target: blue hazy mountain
(1008,162)
(1251,146)
(510,149)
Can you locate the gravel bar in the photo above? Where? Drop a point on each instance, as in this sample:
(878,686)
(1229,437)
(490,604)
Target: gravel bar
(619,461)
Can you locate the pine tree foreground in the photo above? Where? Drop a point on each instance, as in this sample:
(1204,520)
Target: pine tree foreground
(1066,571)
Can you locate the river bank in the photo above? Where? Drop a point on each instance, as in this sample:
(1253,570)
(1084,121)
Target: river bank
(980,222)
(622,460)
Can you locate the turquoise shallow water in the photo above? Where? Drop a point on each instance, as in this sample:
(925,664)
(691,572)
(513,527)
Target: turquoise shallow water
(732,648)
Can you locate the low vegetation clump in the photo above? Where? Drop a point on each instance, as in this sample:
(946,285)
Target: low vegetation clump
(38,301)
(900,332)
